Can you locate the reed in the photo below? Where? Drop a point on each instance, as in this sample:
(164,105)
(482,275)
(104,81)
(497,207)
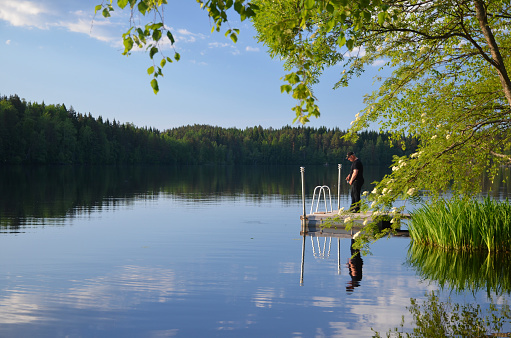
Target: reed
(463,224)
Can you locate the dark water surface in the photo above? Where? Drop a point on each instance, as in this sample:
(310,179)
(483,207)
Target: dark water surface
(199,252)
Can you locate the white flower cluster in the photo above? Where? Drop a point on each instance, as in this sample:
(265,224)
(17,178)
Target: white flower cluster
(357,118)
(402,163)
(386,191)
(416,155)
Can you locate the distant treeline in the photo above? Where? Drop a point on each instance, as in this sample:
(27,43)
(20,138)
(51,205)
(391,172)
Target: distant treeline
(36,133)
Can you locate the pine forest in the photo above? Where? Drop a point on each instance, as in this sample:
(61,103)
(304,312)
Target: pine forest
(37,133)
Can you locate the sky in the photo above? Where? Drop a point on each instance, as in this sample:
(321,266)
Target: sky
(57,52)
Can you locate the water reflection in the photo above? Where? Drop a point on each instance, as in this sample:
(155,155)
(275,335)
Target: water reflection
(30,194)
(148,252)
(463,271)
(355,263)
(321,242)
(125,287)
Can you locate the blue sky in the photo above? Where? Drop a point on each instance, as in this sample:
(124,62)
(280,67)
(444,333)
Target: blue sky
(52,51)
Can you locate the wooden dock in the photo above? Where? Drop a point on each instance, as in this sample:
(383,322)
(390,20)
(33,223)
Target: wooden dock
(318,218)
(320,224)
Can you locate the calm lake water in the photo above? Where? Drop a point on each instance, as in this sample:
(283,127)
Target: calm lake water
(204,252)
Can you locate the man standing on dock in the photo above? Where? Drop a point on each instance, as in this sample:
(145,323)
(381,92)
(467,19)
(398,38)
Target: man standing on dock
(355,179)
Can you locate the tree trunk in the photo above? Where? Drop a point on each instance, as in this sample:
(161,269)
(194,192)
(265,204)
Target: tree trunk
(498,62)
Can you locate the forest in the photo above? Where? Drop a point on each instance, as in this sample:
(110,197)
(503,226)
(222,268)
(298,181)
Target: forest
(39,133)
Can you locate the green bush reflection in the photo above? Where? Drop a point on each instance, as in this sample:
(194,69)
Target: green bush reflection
(461,270)
(435,318)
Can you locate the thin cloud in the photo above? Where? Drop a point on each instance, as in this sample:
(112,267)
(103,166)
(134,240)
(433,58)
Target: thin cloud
(23,13)
(357,51)
(219,45)
(379,63)
(198,63)
(233,49)
(31,14)
(184,35)
(98,29)
(252,49)
(8,42)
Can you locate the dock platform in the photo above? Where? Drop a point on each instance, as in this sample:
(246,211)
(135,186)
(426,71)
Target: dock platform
(313,223)
(319,218)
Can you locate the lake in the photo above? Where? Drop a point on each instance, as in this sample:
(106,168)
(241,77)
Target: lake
(206,251)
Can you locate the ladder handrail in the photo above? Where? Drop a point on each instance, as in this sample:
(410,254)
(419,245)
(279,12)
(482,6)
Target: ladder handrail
(322,189)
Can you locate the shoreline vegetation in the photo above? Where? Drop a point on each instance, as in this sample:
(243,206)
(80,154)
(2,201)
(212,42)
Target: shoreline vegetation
(463,224)
(39,133)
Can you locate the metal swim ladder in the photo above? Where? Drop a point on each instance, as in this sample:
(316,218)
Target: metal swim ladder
(322,189)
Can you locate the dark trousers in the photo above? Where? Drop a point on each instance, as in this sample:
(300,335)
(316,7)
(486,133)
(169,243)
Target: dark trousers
(356,188)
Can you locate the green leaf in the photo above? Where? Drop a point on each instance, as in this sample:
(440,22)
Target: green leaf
(171,37)
(157,35)
(309,4)
(234,37)
(97,8)
(154,85)
(381,18)
(177,56)
(122,3)
(128,44)
(152,52)
(137,41)
(106,12)
(142,7)
(238,6)
(286,88)
(150,70)
(341,40)
(330,25)
(349,44)
(155,26)
(163,62)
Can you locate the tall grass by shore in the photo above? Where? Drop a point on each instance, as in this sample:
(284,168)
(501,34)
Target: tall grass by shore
(463,224)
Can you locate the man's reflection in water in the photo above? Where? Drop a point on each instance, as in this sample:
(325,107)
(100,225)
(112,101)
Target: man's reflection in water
(355,268)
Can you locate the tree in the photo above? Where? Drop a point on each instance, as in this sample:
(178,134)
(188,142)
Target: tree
(449,87)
